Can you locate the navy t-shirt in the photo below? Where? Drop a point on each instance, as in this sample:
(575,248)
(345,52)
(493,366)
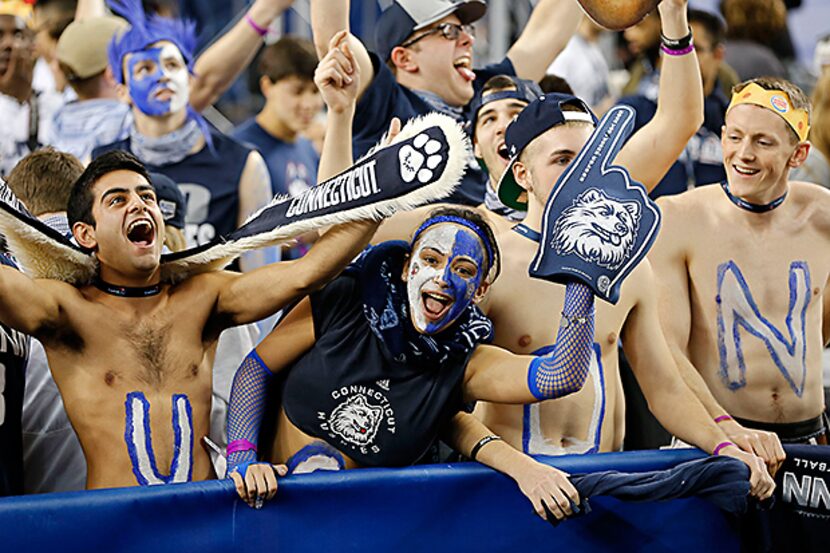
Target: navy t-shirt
(345,391)
(210,183)
(14,352)
(293,166)
(385,98)
(702,160)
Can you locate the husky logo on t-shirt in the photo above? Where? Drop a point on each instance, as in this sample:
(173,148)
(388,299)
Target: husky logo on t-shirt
(356,420)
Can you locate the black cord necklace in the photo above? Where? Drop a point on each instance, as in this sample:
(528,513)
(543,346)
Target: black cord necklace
(749,206)
(527,232)
(128,291)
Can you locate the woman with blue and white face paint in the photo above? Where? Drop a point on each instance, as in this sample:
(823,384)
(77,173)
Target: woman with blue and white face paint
(381,360)
(444,274)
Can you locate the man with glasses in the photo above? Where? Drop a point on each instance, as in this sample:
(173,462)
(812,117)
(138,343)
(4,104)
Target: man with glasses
(423,62)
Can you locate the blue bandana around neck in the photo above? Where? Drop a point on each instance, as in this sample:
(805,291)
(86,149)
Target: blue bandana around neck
(169,148)
(386,308)
(438,104)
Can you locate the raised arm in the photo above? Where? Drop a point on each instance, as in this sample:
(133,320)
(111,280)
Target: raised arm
(655,147)
(219,66)
(550,27)
(260,293)
(328,18)
(89,8)
(254,194)
(547,488)
(284,345)
(673,403)
(497,375)
(668,260)
(28,305)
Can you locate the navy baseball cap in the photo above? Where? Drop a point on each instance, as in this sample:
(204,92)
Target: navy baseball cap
(523,90)
(170,199)
(540,115)
(404,17)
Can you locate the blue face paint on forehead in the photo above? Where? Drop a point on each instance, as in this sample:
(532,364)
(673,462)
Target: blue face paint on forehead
(462,290)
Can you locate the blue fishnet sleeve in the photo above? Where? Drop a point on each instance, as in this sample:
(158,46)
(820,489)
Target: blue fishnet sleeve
(246,405)
(565,369)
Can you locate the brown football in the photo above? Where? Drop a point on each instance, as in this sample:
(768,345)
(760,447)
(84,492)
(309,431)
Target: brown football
(618,14)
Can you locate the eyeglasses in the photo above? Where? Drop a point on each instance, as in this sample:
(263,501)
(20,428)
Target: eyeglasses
(450,31)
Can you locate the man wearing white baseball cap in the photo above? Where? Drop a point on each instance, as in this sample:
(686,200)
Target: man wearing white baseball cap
(423,62)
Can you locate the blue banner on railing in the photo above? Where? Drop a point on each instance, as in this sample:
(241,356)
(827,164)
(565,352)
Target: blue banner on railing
(455,508)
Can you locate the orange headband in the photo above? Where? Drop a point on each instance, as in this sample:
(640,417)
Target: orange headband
(777,101)
(17,8)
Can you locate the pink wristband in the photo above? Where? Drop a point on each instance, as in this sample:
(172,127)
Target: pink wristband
(681,52)
(721,446)
(261,31)
(723,418)
(241,445)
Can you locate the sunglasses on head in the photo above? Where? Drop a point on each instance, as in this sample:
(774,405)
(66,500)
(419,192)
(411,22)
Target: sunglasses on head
(450,31)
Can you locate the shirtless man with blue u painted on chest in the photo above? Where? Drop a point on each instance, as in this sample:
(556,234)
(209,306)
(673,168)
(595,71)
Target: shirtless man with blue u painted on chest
(132,354)
(743,270)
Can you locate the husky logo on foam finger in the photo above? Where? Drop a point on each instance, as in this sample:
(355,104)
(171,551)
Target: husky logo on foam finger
(597,228)
(419,159)
(356,420)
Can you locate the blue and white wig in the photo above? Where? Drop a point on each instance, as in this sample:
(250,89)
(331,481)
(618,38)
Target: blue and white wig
(145,30)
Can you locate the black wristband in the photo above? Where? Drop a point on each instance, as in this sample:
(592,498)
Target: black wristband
(677,43)
(481,443)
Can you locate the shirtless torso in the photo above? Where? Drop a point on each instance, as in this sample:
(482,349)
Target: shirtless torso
(135,373)
(590,420)
(752,303)
(126,367)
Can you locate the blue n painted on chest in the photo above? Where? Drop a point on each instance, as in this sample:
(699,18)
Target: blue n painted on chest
(737,310)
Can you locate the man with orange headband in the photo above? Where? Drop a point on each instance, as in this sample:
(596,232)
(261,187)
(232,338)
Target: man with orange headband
(743,269)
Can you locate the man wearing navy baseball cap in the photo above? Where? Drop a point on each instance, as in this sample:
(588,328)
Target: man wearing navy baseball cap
(423,62)
(542,143)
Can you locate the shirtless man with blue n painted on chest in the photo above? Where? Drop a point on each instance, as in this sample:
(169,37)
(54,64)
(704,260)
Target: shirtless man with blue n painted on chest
(743,271)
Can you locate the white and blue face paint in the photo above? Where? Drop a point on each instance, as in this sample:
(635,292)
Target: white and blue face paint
(445,270)
(159,82)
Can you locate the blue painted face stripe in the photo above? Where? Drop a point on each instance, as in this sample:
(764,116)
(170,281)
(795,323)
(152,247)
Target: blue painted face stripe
(461,289)
(141,90)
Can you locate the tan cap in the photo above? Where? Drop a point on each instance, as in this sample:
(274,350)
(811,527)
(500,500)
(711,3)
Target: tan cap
(82,48)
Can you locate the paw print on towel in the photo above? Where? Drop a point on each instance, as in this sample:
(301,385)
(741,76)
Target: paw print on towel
(420,158)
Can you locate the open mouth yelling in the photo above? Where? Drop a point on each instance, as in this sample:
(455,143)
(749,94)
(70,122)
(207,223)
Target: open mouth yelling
(464,66)
(503,152)
(142,233)
(435,305)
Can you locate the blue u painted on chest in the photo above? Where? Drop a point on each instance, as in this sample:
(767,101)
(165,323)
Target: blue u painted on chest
(139,440)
